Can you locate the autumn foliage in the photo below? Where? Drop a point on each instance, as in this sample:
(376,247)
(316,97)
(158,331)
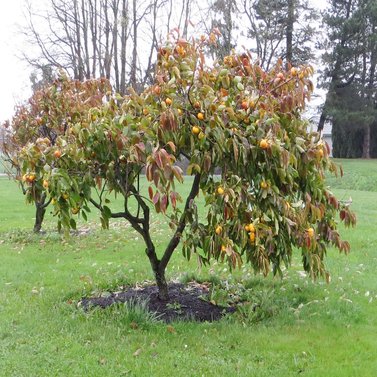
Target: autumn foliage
(259,170)
(34,134)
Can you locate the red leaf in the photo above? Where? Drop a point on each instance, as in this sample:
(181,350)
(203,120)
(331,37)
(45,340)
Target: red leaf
(140,146)
(156,177)
(156,198)
(148,173)
(308,241)
(173,198)
(158,160)
(171,145)
(164,203)
(177,171)
(150,191)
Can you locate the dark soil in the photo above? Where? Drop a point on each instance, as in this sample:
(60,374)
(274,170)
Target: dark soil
(186,302)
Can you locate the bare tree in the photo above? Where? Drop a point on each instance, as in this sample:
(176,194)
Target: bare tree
(116,39)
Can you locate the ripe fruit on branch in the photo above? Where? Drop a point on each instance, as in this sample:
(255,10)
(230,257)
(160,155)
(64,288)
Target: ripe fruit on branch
(220,190)
(195,130)
(31,178)
(264,144)
(168,101)
(251,228)
(57,153)
(218,230)
(264,185)
(294,71)
(45,184)
(181,51)
(245,105)
(280,76)
(157,90)
(252,237)
(320,153)
(310,232)
(200,116)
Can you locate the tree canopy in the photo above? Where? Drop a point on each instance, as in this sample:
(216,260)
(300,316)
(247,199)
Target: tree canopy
(259,171)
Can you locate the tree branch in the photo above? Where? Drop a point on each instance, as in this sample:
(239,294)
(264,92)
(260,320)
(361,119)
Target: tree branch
(181,225)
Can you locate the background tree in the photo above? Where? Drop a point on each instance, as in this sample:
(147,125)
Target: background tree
(115,39)
(36,126)
(281,30)
(351,77)
(233,117)
(222,14)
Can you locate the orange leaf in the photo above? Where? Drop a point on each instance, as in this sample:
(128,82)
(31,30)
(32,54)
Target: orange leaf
(150,192)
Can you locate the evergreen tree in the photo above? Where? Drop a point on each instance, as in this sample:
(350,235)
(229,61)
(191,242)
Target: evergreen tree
(222,15)
(281,29)
(350,72)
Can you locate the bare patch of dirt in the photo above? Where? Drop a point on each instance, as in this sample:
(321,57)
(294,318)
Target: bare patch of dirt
(186,302)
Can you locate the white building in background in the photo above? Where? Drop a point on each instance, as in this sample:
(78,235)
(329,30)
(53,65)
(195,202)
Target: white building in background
(327,135)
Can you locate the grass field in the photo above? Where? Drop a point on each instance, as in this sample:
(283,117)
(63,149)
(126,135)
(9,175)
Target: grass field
(300,327)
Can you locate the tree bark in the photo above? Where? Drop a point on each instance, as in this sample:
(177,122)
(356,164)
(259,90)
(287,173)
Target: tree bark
(289,33)
(159,275)
(133,80)
(366,142)
(40,211)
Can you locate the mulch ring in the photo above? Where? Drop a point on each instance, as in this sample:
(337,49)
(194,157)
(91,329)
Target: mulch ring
(186,302)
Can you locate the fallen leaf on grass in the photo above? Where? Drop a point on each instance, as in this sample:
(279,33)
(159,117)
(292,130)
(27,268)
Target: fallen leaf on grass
(170,329)
(137,352)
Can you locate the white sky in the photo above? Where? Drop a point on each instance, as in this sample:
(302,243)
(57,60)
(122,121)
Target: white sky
(14,74)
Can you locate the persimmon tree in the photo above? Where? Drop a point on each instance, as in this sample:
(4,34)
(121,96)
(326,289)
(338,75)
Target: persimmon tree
(37,125)
(259,171)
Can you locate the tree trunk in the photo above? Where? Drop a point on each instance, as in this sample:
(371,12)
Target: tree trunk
(366,142)
(163,291)
(289,33)
(158,270)
(40,211)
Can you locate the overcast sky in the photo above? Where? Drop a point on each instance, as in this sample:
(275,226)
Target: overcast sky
(14,74)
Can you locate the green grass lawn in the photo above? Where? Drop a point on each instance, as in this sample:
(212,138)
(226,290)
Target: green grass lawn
(300,327)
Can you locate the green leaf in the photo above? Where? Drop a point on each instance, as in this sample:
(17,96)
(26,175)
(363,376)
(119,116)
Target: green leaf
(72,223)
(106,212)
